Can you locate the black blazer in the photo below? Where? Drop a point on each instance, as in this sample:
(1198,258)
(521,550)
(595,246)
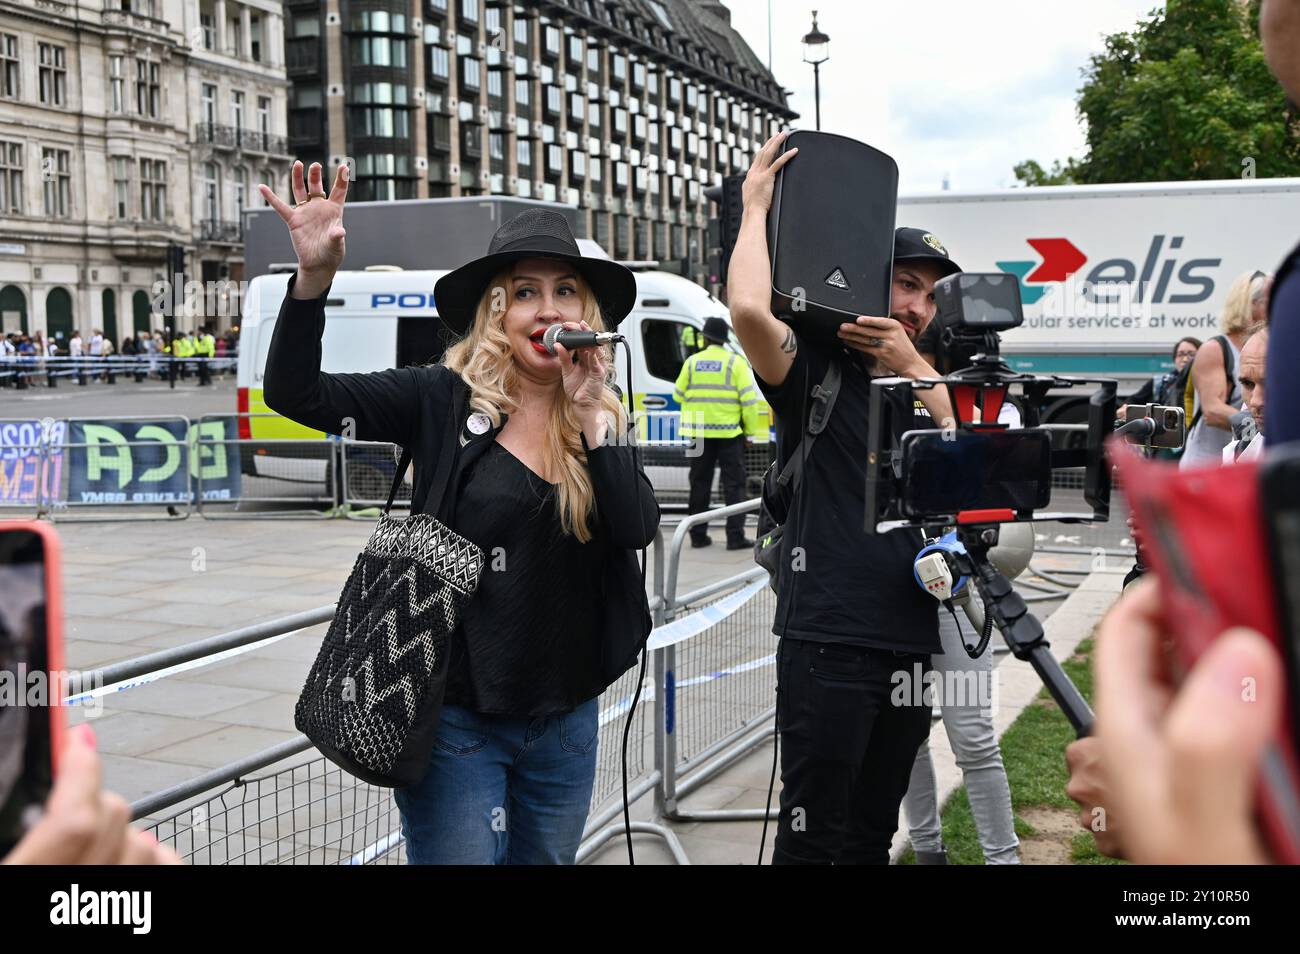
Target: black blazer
(423,409)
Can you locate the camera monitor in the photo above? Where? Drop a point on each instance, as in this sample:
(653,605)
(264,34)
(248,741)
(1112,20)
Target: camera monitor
(978,301)
(947,472)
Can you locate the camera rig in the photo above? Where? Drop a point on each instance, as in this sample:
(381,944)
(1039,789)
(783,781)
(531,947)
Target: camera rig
(976,472)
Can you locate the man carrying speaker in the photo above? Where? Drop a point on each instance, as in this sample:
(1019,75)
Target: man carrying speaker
(850,617)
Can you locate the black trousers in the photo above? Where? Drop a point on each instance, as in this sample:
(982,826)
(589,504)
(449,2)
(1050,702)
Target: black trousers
(729,454)
(850,720)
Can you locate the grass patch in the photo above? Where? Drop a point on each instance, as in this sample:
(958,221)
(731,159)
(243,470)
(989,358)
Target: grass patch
(1033,750)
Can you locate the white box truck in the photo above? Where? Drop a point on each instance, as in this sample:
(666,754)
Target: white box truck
(1111,276)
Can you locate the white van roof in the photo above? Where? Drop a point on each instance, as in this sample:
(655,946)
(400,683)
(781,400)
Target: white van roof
(675,294)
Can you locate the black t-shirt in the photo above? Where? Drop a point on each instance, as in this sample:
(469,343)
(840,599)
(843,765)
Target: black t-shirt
(529,640)
(854,587)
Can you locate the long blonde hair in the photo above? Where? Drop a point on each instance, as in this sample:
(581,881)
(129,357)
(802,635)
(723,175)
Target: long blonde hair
(485,362)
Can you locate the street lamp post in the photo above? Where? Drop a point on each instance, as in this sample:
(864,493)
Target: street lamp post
(814,52)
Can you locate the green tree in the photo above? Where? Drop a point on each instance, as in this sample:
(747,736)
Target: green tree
(1185,95)
(1030,173)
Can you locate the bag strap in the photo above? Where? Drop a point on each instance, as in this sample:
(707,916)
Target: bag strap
(1228,365)
(397,477)
(823,397)
(442,474)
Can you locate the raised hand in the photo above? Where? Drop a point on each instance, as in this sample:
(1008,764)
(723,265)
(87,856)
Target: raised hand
(315,223)
(760,181)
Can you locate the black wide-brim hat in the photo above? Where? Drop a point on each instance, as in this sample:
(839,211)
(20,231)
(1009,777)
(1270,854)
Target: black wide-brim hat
(533,233)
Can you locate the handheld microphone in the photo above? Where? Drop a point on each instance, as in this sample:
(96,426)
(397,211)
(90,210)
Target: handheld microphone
(558,334)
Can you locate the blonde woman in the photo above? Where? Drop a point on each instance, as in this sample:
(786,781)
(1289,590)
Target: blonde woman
(1214,375)
(555,500)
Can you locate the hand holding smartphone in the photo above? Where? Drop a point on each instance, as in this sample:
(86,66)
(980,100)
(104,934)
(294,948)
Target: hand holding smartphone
(31,671)
(1225,545)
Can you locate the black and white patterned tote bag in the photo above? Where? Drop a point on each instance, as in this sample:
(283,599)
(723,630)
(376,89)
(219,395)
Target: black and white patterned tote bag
(373,697)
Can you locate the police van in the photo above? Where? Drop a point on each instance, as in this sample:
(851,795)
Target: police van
(384,317)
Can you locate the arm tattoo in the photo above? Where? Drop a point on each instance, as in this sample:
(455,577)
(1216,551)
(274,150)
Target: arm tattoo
(790,344)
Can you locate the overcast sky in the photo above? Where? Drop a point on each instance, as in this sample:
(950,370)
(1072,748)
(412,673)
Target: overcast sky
(962,88)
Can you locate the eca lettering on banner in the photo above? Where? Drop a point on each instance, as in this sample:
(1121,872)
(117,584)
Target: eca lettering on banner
(141,462)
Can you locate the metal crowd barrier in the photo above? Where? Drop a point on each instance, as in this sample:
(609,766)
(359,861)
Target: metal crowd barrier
(23,465)
(367,469)
(16,371)
(667,460)
(62,507)
(712,689)
(279,477)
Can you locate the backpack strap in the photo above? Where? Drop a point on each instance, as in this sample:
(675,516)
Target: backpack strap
(1228,367)
(823,397)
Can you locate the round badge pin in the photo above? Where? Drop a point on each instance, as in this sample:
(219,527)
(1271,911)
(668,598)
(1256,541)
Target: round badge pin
(479,423)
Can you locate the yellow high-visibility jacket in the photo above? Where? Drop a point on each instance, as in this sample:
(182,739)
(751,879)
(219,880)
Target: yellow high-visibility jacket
(718,396)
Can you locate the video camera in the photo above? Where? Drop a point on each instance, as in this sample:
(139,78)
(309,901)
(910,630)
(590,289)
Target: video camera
(977,469)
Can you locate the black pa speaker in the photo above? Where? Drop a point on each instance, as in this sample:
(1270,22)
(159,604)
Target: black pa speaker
(830,233)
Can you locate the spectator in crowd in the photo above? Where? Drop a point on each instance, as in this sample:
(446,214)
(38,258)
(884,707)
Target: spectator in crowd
(8,364)
(1253,359)
(106,355)
(1260,287)
(95,347)
(37,353)
(74,345)
(1214,375)
(1156,389)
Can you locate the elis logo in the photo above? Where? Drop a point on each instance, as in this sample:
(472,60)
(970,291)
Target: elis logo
(836,279)
(1161,276)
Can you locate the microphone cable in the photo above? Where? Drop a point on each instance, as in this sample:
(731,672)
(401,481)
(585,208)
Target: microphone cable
(636,695)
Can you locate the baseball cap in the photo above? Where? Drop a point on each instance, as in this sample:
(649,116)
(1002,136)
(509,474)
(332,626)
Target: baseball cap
(916,244)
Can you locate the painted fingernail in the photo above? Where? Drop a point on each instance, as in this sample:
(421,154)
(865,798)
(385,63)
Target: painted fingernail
(88,735)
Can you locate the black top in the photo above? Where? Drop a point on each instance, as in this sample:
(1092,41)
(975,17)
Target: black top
(528,640)
(414,407)
(854,587)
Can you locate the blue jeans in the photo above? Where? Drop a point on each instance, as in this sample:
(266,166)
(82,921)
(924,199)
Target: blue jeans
(502,789)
